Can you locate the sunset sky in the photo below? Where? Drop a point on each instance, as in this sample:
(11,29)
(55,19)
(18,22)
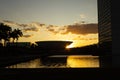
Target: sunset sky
(43,20)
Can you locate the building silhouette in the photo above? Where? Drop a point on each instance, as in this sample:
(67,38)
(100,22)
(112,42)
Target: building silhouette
(104,21)
(115,16)
(105,33)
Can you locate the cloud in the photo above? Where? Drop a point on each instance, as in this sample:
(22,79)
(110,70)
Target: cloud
(10,23)
(53,29)
(84,29)
(85,38)
(36,24)
(33,26)
(27,36)
(30,29)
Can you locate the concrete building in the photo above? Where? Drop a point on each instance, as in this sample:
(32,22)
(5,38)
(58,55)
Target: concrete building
(105,33)
(104,25)
(104,21)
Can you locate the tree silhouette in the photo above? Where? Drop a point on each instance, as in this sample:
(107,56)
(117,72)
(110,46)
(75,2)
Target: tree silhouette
(5,31)
(15,34)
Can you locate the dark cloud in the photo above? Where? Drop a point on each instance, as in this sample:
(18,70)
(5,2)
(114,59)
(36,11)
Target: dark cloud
(61,29)
(37,24)
(14,23)
(27,36)
(52,25)
(52,29)
(82,28)
(25,27)
(10,23)
(30,29)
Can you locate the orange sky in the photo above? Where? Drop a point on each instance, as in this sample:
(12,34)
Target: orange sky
(81,34)
(43,20)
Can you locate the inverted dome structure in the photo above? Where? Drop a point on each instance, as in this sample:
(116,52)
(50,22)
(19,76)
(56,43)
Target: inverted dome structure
(53,44)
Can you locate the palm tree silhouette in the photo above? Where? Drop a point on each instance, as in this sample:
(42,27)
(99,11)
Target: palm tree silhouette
(15,34)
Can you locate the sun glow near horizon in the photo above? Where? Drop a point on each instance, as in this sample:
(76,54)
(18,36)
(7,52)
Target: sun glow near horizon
(81,44)
(66,20)
(76,40)
(69,46)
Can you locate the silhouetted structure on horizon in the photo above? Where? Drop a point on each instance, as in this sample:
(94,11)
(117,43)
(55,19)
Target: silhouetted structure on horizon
(52,45)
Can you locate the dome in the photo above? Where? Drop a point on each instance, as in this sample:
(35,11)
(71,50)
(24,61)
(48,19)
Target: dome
(53,44)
